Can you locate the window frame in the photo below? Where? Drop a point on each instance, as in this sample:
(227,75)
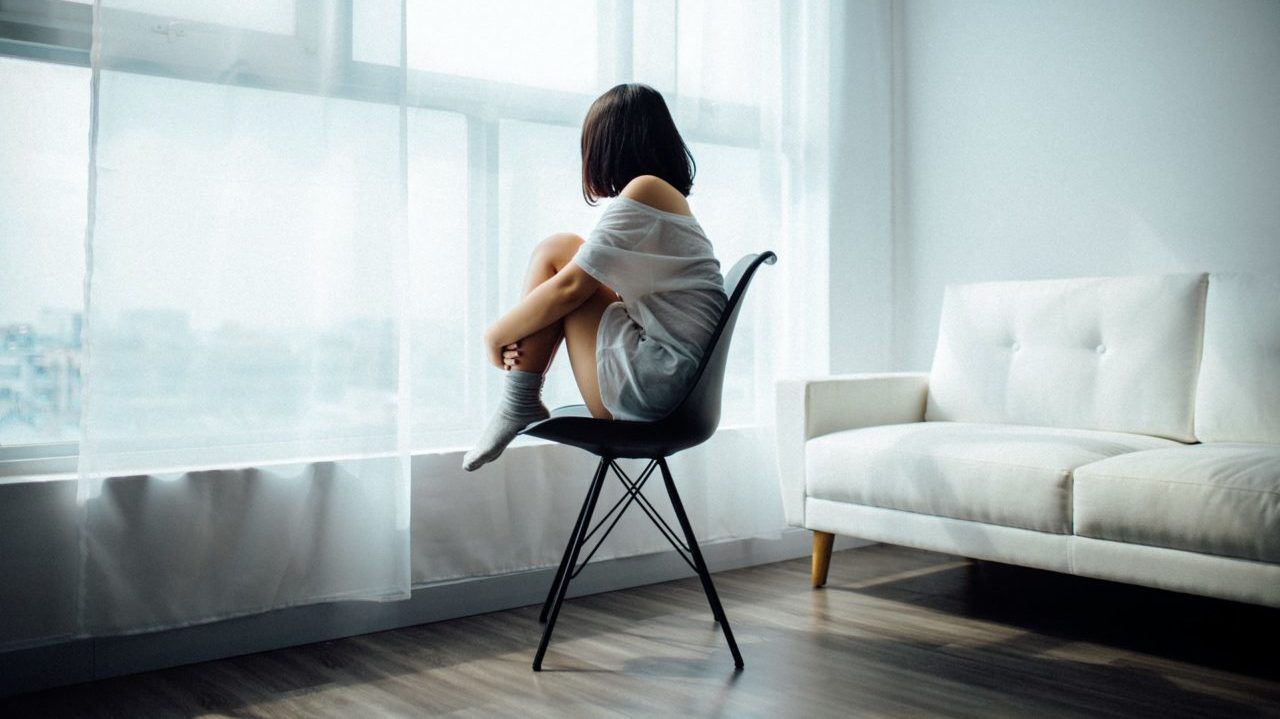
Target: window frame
(60,31)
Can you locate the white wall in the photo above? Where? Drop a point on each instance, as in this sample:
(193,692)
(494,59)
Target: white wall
(1056,138)
(860,290)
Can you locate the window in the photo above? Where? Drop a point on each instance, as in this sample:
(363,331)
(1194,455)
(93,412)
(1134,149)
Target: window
(441,243)
(493,168)
(461,39)
(44,134)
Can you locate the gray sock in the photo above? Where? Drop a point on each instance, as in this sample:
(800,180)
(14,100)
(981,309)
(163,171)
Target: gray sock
(521,406)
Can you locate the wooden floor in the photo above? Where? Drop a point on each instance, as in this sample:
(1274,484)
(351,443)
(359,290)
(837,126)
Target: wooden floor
(896,632)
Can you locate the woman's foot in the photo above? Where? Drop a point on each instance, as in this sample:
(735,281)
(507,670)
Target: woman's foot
(521,406)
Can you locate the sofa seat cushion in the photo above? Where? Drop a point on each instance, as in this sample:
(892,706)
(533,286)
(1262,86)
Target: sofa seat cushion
(1010,475)
(1219,499)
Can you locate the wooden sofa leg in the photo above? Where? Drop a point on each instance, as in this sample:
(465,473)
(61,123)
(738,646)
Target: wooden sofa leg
(821,556)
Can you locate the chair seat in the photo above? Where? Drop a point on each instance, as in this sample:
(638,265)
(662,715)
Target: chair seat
(571,410)
(619,439)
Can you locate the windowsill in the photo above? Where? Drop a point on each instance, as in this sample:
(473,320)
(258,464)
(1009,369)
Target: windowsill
(63,467)
(43,469)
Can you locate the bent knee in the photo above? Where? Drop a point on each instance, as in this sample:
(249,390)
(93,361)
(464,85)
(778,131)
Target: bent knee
(560,247)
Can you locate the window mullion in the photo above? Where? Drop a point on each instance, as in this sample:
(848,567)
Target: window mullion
(47,30)
(326,27)
(614,41)
(482,256)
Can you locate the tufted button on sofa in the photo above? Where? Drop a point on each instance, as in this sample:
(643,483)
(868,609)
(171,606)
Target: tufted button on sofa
(1126,428)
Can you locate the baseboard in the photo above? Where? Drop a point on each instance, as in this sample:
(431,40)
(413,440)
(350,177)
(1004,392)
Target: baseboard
(61,663)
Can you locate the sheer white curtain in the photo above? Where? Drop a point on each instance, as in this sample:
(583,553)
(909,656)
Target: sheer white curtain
(244,439)
(304,214)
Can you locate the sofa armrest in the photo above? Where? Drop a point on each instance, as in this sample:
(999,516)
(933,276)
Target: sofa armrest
(809,408)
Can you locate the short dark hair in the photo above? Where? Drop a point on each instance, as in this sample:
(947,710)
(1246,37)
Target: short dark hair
(629,132)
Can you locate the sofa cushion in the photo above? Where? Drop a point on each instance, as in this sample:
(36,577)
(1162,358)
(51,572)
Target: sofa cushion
(1110,353)
(1219,499)
(1238,399)
(1010,475)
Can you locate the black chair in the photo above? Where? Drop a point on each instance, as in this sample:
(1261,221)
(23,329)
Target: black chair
(692,422)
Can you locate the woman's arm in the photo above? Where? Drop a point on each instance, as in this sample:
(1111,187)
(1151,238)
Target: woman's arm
(546,304)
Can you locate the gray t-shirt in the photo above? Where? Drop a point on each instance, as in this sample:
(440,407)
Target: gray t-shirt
(663,267)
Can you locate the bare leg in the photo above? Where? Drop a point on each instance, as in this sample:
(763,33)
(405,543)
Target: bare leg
(579,326)
(549,256)
(521,403)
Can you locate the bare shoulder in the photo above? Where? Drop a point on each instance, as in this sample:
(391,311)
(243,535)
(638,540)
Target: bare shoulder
(656,193)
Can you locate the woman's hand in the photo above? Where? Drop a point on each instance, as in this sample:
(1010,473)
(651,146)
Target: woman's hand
(503,357)
(511,355)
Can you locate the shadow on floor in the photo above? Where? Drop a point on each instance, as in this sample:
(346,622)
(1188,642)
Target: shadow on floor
(1215,633)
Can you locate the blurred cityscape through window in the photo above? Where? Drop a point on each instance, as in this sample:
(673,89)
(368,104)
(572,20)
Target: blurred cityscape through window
(44,156)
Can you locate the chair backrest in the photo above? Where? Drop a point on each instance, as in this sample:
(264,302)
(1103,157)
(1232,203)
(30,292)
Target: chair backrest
(697,416)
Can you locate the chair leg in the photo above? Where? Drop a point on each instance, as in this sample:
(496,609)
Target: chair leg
(822,542)
(717,610)
(574,539)
(575,545)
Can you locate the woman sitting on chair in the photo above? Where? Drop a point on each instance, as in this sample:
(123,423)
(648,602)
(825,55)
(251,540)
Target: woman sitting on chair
(637,301)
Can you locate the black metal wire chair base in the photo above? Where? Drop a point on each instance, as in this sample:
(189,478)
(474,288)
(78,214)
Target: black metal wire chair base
(686,548)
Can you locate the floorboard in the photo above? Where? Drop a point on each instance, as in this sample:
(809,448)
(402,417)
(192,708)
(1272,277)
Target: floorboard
(896,632)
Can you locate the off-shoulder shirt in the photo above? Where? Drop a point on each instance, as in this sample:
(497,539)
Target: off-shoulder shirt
(664,268)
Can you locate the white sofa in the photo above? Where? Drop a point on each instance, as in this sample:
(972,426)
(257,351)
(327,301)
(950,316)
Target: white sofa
(1126,428)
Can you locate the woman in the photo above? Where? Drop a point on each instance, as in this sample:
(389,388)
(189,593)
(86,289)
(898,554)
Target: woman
(636,301)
